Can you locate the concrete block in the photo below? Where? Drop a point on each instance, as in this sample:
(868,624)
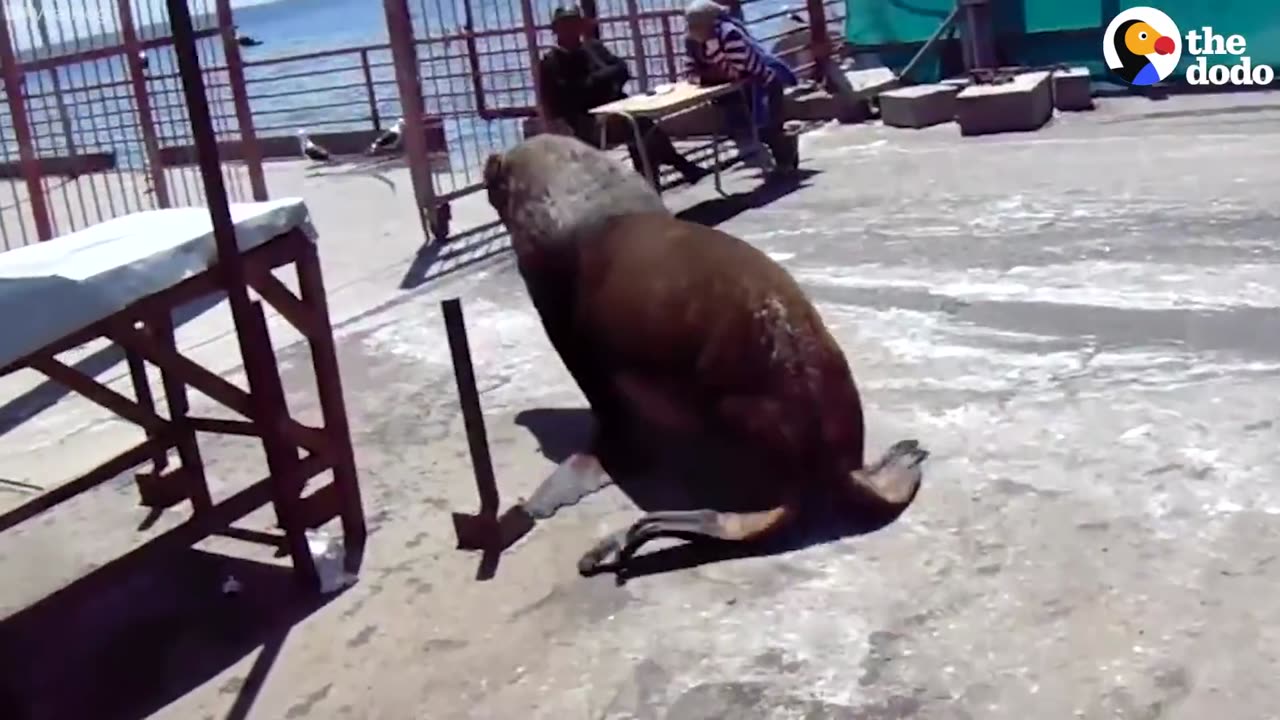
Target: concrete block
(870,82)
(1072,89)
(918,106)
(1023,103)
(855,89)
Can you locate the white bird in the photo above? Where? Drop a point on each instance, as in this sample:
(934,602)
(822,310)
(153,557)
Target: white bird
(389,140)
(310,149)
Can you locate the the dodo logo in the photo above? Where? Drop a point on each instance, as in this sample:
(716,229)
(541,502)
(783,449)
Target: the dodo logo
(1142,45)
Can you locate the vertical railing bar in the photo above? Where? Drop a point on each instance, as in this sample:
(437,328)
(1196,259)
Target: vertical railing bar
(400,29)
(17,106)
(146,122)
(94,117)
(42,26)
(369,90)
(637,40)
(91,179)
(249,150)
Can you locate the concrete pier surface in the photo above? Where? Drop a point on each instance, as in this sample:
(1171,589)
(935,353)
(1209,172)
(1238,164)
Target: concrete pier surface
(1082,324)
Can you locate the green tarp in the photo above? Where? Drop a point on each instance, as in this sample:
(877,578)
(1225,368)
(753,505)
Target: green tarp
(1042,32)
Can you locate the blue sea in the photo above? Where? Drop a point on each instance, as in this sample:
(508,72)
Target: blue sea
(328,93)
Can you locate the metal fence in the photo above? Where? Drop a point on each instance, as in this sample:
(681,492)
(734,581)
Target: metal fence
(94,104)
(106,133)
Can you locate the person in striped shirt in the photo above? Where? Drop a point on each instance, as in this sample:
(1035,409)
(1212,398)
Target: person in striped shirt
(719,49)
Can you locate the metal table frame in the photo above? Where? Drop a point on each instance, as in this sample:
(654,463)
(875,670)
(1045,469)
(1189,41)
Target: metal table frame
(644,106)
(295,452)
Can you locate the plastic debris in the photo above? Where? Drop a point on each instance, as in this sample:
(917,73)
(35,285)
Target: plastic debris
(231,586)
(330,558)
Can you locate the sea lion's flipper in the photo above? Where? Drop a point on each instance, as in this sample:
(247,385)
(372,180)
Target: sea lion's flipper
(685,523)
(895,477)
(577,477)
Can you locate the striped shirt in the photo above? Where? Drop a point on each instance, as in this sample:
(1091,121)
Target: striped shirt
(730,53)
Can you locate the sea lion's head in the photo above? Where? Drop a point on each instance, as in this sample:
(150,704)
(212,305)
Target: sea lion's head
(552,191)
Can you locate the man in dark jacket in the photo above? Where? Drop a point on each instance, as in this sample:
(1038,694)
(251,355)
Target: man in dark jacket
(579,74)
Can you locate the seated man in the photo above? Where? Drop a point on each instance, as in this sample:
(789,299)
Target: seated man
(579,74)
(718,50)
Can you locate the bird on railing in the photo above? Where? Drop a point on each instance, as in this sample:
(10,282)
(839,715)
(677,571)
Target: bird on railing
(389,140)
(143,62)
(310,149)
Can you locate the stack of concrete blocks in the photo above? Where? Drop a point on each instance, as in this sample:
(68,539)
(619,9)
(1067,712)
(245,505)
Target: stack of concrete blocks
(1023,103)
(854,90)
(919,106)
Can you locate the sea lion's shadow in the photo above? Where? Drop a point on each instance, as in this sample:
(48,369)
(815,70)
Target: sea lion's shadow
(695,475)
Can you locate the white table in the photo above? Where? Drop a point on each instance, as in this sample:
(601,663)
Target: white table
(52,289)
(682,97)
(121,280)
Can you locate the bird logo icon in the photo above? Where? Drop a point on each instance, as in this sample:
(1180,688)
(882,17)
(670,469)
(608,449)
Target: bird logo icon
(1142,45)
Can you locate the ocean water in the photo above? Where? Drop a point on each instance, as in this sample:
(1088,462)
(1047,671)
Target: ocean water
(322,94)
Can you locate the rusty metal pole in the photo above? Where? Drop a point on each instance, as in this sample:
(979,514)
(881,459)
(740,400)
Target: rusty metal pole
(22,129)
(819,39)
(250,152)
(669,49)
(404,51)
(146,119)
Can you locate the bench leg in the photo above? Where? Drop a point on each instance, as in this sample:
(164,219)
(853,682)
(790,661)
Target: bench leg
(645,165)
(175,395)
(270,413)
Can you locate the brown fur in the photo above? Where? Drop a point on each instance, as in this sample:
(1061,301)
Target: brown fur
(686,327)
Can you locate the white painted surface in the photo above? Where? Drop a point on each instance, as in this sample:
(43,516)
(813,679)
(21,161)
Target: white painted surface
(49,290)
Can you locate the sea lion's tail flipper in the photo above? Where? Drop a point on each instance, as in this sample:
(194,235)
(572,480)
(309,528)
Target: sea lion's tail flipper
(895,477)
(685,523)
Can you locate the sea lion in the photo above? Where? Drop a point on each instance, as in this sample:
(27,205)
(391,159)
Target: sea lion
(681,325)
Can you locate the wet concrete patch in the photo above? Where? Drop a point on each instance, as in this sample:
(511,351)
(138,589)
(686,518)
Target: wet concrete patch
(882,646)
(303,707)
(582,601)
(362,637)
(756,701)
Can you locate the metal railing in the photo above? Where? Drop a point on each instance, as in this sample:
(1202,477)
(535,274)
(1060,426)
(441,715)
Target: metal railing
(476,71)
(84,124)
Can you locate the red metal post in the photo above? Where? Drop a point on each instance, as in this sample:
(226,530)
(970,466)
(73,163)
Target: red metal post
(531,41)
(146,120)
(637,39)
(819,41)
(13,89)
(404,51)
(249,150)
